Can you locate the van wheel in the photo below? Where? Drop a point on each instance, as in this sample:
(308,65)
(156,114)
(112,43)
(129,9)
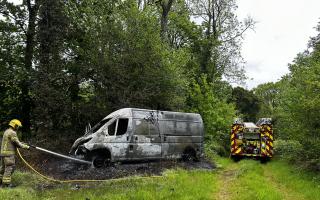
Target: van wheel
(99,161)
(100,158)
(189,155)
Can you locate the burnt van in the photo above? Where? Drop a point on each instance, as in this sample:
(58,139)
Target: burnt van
(139,134)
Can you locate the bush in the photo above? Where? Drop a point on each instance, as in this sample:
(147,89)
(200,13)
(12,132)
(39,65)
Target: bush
(215,147)
(216,113)
(304,155)
(288,149)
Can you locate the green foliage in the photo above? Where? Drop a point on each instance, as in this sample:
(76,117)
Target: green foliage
(247,103)
(300,101)
(290,150)
(217,114)
(11,62)
(268,95)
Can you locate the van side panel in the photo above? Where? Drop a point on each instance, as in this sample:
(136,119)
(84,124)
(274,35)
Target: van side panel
(181,131)
(183,135)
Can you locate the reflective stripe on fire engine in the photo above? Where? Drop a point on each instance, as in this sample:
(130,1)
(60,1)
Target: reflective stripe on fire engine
(232,142)
(238,151)
(271,137)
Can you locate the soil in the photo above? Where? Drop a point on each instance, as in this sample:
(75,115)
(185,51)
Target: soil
(64,169)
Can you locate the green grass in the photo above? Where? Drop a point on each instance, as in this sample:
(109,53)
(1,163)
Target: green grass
(247,179)
(306,184)
(175,184)
(249,182)
(178,184)
(26,182)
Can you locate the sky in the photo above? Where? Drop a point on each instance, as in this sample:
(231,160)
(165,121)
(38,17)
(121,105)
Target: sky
(283,29)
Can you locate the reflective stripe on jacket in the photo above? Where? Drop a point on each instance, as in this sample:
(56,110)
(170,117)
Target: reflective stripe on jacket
(10,143)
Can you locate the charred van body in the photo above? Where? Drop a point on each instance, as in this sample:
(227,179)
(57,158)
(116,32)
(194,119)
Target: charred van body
(139,134)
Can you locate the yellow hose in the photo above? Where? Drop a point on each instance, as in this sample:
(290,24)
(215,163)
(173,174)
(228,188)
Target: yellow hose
(73,181)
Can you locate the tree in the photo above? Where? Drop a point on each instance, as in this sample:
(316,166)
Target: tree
(220,47)
(23,18)
(247,103)
(28,58)
(268,95)
(52,81)
(165,6)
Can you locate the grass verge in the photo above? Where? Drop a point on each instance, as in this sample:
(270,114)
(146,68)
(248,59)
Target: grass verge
(246,179)
(175,184)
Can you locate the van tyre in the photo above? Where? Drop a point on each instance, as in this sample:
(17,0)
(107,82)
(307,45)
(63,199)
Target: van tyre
(99,161)
(189,155)
(100,158)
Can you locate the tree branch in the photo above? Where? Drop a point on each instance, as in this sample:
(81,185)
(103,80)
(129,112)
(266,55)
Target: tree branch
(16,21)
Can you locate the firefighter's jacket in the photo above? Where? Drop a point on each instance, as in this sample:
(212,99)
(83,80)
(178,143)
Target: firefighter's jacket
(10,143)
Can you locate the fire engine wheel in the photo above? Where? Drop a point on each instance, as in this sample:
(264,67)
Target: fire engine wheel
(264,160)
(235,158)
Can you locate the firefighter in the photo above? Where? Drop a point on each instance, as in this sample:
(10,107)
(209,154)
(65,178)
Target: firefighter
(10,143)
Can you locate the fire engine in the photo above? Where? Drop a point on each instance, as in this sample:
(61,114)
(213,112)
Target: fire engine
(252,140)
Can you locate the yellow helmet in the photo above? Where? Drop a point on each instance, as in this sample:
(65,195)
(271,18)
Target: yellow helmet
(13,123)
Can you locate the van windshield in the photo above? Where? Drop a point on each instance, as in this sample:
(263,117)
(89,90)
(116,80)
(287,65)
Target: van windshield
(98,125)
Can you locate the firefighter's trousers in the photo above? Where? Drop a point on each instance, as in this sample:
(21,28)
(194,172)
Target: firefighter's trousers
(7,168)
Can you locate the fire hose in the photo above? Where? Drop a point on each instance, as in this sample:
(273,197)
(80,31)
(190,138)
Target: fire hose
(77,160)
(61,155)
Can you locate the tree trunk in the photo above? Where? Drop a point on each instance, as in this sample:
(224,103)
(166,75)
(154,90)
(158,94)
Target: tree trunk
(166,6)
(29,52)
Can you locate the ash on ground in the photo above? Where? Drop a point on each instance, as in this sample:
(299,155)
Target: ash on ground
(68,170)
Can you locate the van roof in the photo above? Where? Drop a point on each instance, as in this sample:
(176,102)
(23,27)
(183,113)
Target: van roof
(128,112)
